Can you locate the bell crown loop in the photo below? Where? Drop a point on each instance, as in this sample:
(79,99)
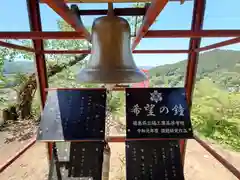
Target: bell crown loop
(110,10)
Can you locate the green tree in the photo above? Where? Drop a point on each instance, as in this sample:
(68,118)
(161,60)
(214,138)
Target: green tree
(8,54)
(55,64)
(216,113)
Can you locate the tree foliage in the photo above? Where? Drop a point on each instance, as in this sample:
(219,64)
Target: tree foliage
(216,113)
(216,99)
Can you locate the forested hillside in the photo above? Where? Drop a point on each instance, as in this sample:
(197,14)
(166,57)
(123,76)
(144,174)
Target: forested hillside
(18,67)
(216,99)
(221,66)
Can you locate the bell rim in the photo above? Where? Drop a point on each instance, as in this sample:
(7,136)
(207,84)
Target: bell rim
(136,76)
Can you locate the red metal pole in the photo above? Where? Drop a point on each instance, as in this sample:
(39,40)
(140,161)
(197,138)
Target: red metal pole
(174,51)
(41,35)
(35,25)
(191,34)
(14,46)
(17,155)
(78,1)
(61,8)
(223,161)
(117,12)
(220,44)
(135,51)
(153,11)
(197,24)
(149,34)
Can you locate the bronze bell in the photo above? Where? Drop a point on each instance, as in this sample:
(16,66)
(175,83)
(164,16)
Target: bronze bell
(111,60)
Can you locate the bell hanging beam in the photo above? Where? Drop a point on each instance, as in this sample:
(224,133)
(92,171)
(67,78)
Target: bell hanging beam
(69,15)
(113,1)
(153,11)
(111,60)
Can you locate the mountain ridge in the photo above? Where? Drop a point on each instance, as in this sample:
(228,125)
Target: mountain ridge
(221,66)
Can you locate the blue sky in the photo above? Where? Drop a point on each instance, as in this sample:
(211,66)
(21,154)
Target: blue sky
(220,14)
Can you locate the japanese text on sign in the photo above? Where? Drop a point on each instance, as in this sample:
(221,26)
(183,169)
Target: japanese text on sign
(149,108)
(160,113)
(161,130)
(154,123)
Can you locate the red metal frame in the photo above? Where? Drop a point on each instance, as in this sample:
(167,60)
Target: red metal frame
(150,14)
(61,8)
(153,11)
(4,165)
(35,25)
(197,25)
(220,44)
(143,83)
(149,34)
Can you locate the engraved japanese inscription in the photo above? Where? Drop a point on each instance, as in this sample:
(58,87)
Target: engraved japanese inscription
(153,160)
(73,114)
(157,113)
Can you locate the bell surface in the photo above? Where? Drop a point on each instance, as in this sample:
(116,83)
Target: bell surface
(111,60)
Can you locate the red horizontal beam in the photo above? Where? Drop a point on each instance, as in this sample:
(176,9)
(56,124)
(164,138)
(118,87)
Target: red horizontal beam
(160,51)
(117,11)
(14,46)
(135,51)
(41,35)
(194,43)
(152,13)
(61,8)
(223,161)
(209,47)
(79,1)
(17,155)
(191,34)
(114,89)
(220,44)
(149,34)
(67,51)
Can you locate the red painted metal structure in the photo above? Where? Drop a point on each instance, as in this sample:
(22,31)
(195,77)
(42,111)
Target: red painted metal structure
(144,83)
(150,13)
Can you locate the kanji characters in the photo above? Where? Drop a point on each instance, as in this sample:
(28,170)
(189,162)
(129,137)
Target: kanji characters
(168,123)
(181,123)
(164,109)
(136,109)
(154,123)
(149,108)
(135,123)
(148,130)
(178,110)
(172,130)
(149,123)
(139,123)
